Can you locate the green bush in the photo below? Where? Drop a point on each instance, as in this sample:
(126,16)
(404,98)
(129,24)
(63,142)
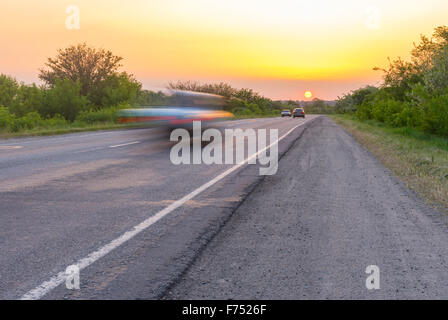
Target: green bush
(436,115)
(411,115)
(64,99)
(117,89)
(8,90)
(385,110)
(364,111)
(6,118)
(414,93)
(29,98)
(426,112)
(57,121)
(106,115)
(29,121)
(240,107)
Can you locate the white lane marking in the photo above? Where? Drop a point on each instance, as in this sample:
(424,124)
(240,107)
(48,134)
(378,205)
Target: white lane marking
(124,144)
(103,148)
(10,147)
(83,263)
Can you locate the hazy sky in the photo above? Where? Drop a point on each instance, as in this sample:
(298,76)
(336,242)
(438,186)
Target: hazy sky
(280,48)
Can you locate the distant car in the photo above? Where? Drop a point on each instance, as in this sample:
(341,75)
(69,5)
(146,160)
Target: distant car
(299,112)
(286,113)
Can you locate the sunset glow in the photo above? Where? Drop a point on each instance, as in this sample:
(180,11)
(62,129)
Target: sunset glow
(279,48)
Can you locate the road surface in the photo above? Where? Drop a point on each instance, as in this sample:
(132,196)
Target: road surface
(143,228)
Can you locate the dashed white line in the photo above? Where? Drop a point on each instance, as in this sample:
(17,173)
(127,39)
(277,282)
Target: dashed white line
(124,144)
(83,263)
(103,148)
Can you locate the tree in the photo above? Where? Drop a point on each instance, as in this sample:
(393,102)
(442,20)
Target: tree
(8,90)
(360,95)
(29,98)
(345,104)
(245,94)
(248,96)
(79,63)
(402,76)
(222,89)
(65,99)
(119,88)
(6,118)
(151,98)
(423,53)
(318,106)
(435,79)
(352,101)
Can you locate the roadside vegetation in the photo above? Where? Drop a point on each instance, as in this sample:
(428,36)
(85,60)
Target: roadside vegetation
(83,88)
(413,94)
(317,106)
(419,159)
(243,103)
(404,122)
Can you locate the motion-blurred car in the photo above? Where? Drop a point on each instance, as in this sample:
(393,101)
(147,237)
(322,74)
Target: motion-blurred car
(286,113)
(182,109)
(298,113)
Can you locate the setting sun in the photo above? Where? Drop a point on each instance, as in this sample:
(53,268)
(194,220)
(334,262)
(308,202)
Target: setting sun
(308,94)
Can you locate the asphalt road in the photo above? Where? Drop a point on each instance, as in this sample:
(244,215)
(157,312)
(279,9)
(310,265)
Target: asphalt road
(143,228)
(63,198)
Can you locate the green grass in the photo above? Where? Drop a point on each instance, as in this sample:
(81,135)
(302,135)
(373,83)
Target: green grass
(65,130)
(419,159)
(84,127)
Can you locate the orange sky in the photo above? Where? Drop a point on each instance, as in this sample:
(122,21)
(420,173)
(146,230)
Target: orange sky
(280,48)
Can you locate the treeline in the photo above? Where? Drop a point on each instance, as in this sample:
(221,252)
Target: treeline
(414,93)
(82,86)
(315,106)
(318,106)
(241,102)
